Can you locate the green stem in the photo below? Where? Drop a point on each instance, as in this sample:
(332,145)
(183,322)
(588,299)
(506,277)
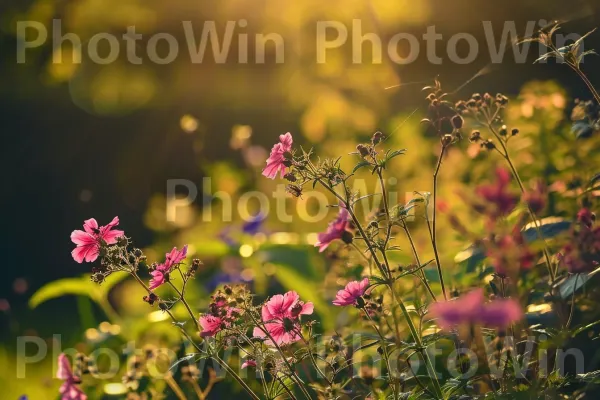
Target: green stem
(433,230)
(417,338)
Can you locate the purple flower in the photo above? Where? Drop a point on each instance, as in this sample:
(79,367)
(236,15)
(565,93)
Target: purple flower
(349,294)
(253,226)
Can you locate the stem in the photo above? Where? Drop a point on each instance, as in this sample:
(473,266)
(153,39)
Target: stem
(534,218)
(416,255)
(227,368)
(422,351)
(288,391)
(385,351)
(215,357)
(187,306)
(282,354)
(175,387)
(433,230)
(586,81)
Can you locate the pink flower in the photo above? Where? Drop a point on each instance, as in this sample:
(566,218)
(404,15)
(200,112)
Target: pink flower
(159,275)
(249,363)
(498,195)
(175,256)
(461,310)
(470,310)
(211,325)
(501,313)
(89,240)
(69,389)
(281,317)
(275,162)
(336,229)
(349,294)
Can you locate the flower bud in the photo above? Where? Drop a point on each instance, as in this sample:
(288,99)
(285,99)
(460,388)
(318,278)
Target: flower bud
(290,177)
(488,144)
(475,136)
(514,132)
(447,140)
(503,131)
(347,237)
(377,137)
(363,150)
(457,122)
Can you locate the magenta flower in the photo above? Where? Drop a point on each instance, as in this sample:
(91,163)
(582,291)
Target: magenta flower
(175,256)
(349,294)
(459,311)
(498,195)
(159,275)
(281,316)
(249,363)
(470,310)
(275,162)
(501,313)
(211,325)
(336,229)
(89,240)
(69,389)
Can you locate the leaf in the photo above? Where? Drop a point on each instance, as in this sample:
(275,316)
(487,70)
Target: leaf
(572,284)
(69,286)
(590,377)
(584,328)
(393,154)
(358,166)
(549,227)
(582,130)
(187,357)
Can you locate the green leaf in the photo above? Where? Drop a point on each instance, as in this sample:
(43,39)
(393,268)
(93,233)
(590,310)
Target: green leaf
(393,154)
(358,166)
(69,286)
(572,284)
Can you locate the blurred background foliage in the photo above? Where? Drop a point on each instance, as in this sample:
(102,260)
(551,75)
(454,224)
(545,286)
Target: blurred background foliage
(86,140)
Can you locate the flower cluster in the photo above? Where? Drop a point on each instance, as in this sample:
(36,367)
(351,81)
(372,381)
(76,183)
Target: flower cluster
(223,310)
(582,252)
